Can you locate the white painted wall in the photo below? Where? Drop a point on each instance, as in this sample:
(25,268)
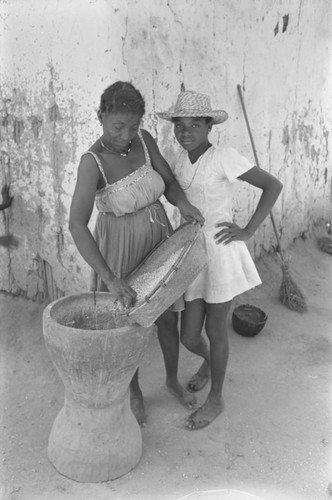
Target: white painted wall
(58,57)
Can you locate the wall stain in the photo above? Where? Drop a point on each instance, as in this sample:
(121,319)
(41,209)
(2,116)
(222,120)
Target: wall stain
(40,281)
(59,243)
(269,141)
(5,120)
(18,128)
(305,135)
(42,221)
(54,113)
(326,134)
(285,20)
(314,154)
(36,123)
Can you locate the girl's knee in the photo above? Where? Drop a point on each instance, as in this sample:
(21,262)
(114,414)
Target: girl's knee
(189,340)
(217,334)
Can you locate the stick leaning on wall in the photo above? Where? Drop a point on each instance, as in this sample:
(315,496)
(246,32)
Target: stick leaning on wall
(289,293)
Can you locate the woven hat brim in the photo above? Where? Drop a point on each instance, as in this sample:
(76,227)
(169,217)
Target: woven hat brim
(218,116)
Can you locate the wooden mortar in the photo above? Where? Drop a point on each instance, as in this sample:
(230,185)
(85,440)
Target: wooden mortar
(95,437)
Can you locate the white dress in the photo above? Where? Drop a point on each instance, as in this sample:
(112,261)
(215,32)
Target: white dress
(208,184)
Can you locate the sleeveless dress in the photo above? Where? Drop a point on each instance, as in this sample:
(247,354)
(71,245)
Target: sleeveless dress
(131,220)
(208,184)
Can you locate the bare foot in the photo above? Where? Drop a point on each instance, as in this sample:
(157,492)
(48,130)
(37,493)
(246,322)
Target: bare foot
(186,399)
(205,414)
(200,379)
(137,407)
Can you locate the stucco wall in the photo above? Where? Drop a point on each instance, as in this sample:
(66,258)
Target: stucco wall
(60,55)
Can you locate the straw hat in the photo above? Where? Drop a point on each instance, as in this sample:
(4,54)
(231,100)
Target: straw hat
(190,103)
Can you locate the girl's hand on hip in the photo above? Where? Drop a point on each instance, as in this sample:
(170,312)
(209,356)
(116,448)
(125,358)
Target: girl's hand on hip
(230,232)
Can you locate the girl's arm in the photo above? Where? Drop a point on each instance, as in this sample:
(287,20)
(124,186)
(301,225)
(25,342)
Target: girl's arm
(80,213)
(173,192)
(271,188)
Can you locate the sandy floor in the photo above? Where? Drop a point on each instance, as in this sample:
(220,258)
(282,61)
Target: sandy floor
(273,439)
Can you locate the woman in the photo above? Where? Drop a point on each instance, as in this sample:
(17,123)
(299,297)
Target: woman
(126,175)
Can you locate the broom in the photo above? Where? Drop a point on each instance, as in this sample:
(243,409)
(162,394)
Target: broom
(289,293)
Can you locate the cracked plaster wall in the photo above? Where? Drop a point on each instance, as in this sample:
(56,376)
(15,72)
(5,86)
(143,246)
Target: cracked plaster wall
(60,55)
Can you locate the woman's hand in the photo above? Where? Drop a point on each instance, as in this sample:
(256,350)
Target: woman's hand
(124,295)
(189,212)
(231,232)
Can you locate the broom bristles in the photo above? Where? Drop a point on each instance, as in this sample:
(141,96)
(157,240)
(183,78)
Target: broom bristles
(290,293)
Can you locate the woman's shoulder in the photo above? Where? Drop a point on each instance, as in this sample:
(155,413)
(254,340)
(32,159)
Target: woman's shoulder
(90,163)
(89,158)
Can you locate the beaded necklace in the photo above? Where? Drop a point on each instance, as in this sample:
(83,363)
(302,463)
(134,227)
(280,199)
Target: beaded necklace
(116,152)
(197,167)
(193,177)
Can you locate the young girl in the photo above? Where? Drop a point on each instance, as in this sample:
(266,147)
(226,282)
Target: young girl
(206,174)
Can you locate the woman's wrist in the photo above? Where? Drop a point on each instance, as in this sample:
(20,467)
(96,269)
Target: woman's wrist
(182,202)
(108,278)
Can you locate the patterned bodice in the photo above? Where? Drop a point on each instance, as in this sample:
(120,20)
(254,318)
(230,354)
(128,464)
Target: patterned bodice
(133,192)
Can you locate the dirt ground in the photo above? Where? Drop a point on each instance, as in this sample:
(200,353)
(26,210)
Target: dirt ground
(273,438)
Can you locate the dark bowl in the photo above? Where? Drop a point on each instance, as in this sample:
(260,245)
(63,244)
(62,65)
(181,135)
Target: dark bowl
(248,320)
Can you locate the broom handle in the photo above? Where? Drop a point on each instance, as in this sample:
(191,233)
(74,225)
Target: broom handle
(256,158)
